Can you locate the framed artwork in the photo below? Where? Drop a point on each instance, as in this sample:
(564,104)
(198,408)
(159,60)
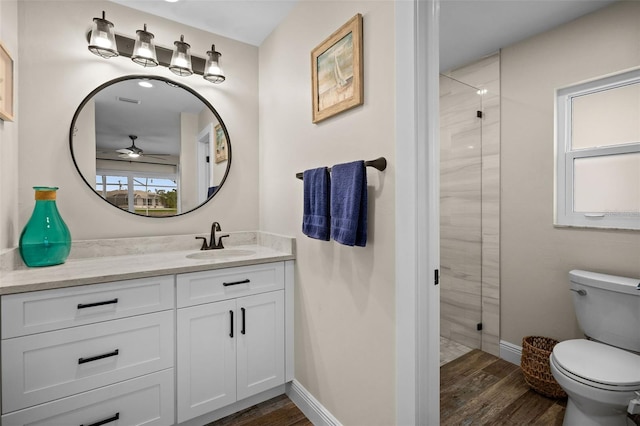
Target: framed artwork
(6,85)
(336,71)
(221,144)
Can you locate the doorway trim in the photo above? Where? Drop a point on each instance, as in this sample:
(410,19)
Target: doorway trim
(417,228)
(205,148)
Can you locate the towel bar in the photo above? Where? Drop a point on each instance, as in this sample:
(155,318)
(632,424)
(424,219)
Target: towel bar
(378,163)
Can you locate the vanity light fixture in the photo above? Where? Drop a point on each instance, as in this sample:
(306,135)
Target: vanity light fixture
(144,51)
(103,40)
(181,59)
(212,70)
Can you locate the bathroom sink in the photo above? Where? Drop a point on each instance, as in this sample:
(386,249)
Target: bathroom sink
(220,254)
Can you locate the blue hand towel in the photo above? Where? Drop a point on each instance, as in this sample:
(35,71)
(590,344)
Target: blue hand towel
(349,203)
(315,220)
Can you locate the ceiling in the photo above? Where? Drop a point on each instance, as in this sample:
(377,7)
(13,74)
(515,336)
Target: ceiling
(472,29)
(469,29)
(249,21)
(123,108)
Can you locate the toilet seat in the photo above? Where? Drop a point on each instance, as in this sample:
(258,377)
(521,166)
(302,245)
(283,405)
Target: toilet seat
(597,365)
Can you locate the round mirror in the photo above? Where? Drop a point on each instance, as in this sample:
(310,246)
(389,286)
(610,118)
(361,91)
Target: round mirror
(150,146)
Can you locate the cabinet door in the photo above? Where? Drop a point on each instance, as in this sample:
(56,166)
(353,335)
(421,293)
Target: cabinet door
(47,310)
(260,343)
(206,358)
(146,400)
(47,366)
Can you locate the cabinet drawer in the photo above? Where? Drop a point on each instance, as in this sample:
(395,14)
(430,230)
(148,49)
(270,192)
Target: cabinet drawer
(211,286)
(47,366)
(147,400)
(47,310)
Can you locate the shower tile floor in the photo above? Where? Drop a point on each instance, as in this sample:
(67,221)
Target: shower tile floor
(450,350)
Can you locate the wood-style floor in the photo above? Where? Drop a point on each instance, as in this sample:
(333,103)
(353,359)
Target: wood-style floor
(481,389)
(278,411)
(475,389)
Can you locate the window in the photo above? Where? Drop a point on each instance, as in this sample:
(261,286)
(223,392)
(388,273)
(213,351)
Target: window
(598,153)
(150,194)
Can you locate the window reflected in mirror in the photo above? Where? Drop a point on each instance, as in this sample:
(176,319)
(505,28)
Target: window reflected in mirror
(149,196)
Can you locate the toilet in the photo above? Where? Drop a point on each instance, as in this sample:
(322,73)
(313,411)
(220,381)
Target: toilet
(601,373)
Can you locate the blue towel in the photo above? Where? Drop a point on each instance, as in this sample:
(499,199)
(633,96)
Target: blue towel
(349,203)
(315,220)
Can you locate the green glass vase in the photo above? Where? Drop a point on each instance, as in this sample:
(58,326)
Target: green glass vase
(45,240)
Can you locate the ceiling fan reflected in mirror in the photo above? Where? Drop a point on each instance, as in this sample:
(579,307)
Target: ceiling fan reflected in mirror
(134,152)
(131,152)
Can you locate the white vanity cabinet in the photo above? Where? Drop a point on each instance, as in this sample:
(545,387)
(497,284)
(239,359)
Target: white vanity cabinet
(175,349)
(85,355)
(230,336)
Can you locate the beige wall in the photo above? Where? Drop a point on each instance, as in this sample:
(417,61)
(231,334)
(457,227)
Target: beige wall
(345,315)
(188,168)
(57,72)
(536,256)
(9,230)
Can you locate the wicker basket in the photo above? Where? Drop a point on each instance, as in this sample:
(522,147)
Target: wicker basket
(535,366)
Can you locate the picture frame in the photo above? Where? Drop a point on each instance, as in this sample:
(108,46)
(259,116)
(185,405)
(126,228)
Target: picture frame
(337,71)
(221,147)
(6,84)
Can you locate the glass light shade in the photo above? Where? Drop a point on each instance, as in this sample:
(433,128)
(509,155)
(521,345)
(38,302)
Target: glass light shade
(103,40)
(144,50)
(212,70)
(181,59)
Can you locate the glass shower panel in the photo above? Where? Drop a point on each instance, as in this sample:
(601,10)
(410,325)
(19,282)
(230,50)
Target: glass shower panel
(460,212)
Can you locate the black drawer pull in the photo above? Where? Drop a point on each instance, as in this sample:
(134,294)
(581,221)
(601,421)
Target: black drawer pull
(105,421)
(236,282)
(97,357)
(231,332)
(91,305)
(244,328)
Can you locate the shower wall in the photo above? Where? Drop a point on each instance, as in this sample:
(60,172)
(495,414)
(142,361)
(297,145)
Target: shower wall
(470,205)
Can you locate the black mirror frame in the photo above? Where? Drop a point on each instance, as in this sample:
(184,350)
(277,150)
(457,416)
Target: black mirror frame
(72,132)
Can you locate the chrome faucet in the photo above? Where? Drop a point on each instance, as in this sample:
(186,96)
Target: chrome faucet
(215,226)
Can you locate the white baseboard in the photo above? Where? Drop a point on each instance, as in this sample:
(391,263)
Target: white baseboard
(310,407)
(510,352)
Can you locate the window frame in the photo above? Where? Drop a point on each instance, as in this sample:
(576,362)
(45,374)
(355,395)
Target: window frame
(131,175)
(564,214)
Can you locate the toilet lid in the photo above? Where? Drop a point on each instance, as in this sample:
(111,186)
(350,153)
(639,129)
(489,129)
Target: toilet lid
(599,363)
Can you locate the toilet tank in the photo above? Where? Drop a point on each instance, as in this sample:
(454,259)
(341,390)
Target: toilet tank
(608,308)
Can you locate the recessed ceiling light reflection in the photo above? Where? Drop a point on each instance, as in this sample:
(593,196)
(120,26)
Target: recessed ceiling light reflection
(145,83)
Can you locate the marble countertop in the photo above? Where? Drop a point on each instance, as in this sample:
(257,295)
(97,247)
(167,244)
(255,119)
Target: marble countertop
(145,257)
